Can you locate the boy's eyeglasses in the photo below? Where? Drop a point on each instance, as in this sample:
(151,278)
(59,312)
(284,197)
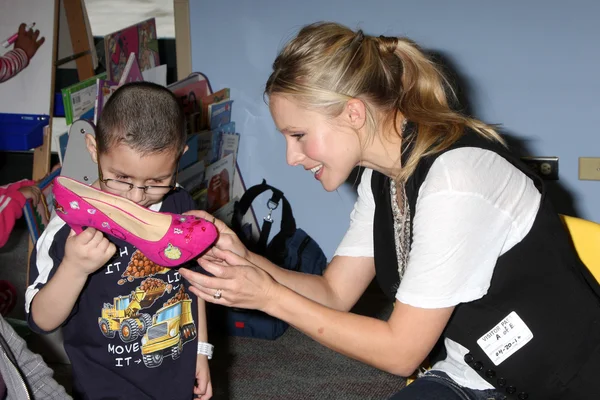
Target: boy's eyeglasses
(126,187)
(151,190)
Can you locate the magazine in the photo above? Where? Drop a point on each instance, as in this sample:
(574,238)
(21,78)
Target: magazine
(140,39)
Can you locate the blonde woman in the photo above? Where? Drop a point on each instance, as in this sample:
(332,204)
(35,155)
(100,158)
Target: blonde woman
(459,234)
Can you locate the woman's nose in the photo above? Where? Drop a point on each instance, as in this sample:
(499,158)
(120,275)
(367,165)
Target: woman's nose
(293,156)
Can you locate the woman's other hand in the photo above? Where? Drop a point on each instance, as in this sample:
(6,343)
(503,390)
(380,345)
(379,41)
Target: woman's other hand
(236,282)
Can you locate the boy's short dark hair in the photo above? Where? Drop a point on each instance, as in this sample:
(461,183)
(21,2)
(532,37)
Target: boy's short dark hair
(144,116)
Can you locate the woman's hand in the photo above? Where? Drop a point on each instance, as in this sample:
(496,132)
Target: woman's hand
(240,283)
(227,240)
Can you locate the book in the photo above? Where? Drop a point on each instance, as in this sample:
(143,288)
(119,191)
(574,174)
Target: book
(140,39)
(219,114)
(37,218)
(204,102)
(193,77)
(217,141)
(205,145)
(191,155)
(131,72)
(104,89)
(229,145)
(80,98)
(192,177)
(188,96)
(219,183)
(192,180)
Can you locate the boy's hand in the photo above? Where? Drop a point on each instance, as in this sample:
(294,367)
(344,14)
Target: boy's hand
(31,192)
(88,251)
(28,40)
(203,387)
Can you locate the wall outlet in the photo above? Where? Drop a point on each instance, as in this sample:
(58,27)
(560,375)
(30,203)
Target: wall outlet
(545,167)
(589,168)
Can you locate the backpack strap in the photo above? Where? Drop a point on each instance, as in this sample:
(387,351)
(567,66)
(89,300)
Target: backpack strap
(288,223)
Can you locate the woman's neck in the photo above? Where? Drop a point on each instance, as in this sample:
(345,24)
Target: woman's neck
(383,151)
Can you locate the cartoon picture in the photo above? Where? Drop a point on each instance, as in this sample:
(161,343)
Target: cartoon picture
(153,334)
(124,314)
(172,326)
(148,46)
(140,39)
(140,267)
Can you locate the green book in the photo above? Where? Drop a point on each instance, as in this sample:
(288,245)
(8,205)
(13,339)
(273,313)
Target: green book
(80,98)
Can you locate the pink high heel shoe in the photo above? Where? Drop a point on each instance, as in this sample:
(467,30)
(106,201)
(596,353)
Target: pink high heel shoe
(166,239)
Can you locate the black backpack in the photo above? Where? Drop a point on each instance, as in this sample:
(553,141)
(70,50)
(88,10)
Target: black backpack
(291,248)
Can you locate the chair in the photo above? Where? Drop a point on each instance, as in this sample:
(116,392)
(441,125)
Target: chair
(586,238)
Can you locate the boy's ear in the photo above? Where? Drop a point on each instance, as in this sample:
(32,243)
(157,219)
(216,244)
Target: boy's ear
(90,143)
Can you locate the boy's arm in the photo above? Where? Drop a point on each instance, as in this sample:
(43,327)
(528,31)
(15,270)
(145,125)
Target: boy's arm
(62,273)
(202,324)
(12,63)
(53,304)
(35,372)
(203,386)
(49,277)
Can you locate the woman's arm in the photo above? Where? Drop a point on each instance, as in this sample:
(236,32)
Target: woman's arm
(398,345)
(340,287)
(345,279)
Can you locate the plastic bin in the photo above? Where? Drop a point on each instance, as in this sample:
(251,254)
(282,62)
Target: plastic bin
(22,131)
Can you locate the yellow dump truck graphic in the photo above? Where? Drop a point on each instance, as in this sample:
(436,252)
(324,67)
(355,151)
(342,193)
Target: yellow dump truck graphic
(172,326)
(124,315)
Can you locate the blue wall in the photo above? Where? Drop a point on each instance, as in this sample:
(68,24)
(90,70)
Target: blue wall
(528,65)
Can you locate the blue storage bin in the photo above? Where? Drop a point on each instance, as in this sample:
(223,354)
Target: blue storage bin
(22,131)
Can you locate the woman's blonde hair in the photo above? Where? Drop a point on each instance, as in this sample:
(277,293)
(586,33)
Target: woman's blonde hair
(327,64)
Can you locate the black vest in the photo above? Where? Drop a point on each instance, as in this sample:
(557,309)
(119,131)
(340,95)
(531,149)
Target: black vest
(541,278)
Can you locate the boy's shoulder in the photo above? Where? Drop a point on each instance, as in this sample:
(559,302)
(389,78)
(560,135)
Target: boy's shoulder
(178,201)
(56,233)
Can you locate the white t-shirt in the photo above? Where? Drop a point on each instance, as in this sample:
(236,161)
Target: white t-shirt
(472,207)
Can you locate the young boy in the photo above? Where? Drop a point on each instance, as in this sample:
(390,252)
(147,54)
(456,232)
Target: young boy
(130,326)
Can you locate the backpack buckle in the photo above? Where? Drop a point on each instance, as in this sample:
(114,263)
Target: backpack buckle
(271,205)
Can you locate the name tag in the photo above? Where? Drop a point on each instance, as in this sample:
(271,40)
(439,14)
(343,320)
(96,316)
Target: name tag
(505,339)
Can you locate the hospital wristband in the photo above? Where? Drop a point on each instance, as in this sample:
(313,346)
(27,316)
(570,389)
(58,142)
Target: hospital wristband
(205,349)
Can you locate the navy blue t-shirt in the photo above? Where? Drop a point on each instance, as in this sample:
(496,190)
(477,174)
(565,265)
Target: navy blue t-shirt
(132,332)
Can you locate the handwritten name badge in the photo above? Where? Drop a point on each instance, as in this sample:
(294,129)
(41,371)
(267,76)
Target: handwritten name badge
(505,339)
